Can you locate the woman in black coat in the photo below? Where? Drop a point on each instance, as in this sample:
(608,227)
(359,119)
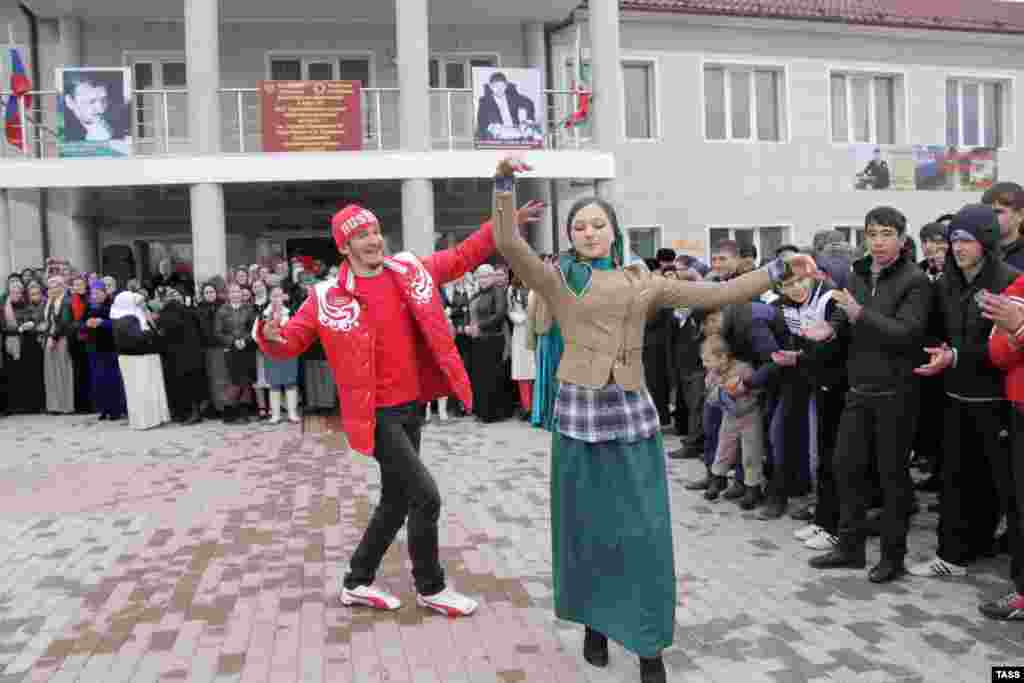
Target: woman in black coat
(183,361)
(138,347)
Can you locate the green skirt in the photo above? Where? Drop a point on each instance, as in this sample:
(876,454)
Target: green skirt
(611,540)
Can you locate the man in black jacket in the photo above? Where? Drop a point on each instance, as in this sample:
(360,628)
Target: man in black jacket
(977,479)
(881,321)
(1007,199)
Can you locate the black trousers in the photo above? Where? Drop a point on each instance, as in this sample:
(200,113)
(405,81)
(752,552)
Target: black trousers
(690,394)
(657,379)
(829,403)
(787,474)
(1015,514)
(977,480)
(930,435)
(876,430)
(407,491)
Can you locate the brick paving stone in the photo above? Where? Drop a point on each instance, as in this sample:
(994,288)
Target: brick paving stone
(211,554)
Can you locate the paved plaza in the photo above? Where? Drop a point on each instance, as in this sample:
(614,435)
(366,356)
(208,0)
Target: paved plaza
(210,554)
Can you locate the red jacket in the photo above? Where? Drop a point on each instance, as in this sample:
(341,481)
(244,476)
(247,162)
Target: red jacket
(333,313)
(1004,357)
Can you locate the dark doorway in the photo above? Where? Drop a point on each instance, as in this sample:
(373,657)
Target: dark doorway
(119,261)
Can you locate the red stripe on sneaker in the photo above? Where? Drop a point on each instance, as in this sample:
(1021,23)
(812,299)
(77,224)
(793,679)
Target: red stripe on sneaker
(451,612)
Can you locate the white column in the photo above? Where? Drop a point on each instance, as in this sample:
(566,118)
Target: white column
(608,112)
(413,47)
(6,260)
(535,49)
(209,236)
(202,52)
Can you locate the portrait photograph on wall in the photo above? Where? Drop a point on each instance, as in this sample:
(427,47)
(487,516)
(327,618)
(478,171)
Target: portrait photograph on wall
(510,108)
(94,112)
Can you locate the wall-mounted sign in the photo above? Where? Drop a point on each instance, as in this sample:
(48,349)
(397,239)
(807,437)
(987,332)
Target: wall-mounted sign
(311,116)
(925,167)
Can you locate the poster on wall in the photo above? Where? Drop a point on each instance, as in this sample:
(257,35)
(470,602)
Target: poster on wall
(94,112)
(311,116)
(510,108)
(925,168)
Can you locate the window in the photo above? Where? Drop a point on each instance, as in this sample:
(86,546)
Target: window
(854,235)
(977,112)
(644,242)
(156,74)
(455,72)
(867,108)
(766,238)
(638,79)
(744,103)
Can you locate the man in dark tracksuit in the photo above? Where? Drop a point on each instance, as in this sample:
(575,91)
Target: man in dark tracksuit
(977,478)
(881,322)
(688,372)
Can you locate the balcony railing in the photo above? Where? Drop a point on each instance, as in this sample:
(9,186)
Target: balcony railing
(159,121)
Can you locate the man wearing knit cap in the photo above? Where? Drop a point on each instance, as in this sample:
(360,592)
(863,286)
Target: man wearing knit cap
(977,482)
(383,327)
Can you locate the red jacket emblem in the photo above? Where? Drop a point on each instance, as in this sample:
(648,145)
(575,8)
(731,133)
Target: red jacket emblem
(334,313)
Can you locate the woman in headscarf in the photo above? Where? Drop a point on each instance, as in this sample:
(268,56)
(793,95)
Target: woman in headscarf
(58,370)
(216,369)
(79,301)
(488,310)
(138,348)
(104,373)
(23,356)
(184,366)
(234,327)
(260,301)
(613,560)
(523,367)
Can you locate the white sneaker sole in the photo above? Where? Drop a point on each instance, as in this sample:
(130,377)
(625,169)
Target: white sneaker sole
(446,610)
(349,600)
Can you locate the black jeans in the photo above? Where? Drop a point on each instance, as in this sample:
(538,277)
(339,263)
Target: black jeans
(876,431)
(407,490)
(690,400)
(977,480)
(830,403)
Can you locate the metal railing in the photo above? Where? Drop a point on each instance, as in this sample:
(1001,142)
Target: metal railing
(159,121)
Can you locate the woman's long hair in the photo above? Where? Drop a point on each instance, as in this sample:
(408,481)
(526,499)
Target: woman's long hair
(613,218)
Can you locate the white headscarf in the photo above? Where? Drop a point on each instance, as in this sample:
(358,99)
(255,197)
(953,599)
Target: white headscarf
(129,304)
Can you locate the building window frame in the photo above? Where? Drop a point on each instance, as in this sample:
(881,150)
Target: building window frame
(306,57)
(465,58)
(787,228)
(654,100)
(900,100)
(733,64)
(659,238)
(854,233)
(1008,115)
(155,59)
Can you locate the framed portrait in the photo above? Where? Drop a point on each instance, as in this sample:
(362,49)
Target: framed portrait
(510,108)
(94,112)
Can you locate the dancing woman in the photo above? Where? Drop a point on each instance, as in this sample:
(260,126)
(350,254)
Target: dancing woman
(611,530)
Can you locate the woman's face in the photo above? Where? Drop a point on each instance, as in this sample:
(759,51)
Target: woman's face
(797,290)
(16,292)
(259,289)
(78,286)
(56,287)
(210,294)
(246,296)
(35,294)
(242,277)
(235,294)
(99,296)
(111,282)
(592,232)
(277,296)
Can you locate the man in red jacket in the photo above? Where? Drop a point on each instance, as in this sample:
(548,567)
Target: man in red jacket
(383,328)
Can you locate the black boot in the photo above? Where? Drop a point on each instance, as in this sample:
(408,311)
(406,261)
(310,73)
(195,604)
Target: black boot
(846,556)
(230,414)
(736,491)
(652,670)
(195,418)
(699,484)
(595,648)
(889,569)
(752,498)
(716,486)
(773,509)
(244,415)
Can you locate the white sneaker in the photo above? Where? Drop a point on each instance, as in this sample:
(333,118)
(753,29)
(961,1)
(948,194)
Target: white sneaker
(449,603)
(822,540)
(369,597)
(806,532)
(937,568)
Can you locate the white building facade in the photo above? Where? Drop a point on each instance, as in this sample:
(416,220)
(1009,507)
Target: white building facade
(702,127)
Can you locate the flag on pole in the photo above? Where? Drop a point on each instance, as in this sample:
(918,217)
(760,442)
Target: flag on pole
(579,88)
(20,86)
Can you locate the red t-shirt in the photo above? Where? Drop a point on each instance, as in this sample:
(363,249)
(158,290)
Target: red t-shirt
(398,379)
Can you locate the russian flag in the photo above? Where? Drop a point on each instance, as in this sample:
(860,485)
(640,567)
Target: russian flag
(20,84)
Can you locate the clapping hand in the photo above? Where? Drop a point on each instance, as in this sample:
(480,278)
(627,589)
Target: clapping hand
(240,344)
(941,357)
(530,212)
(272,331)
(819,331)
(849,305)
(1006,313)
(786,359)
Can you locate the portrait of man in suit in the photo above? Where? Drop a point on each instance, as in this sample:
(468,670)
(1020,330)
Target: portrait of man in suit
(95,113)
(506,113)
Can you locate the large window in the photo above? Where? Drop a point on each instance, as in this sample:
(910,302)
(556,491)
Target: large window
(744,103)
(644,242)
(168,72)
(854,235)
(977,112)
(640,93)
(455,72)
(867,108)
(765,238)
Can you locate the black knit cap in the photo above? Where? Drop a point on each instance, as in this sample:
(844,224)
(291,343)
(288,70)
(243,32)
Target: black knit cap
(933,231)
(979,221)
